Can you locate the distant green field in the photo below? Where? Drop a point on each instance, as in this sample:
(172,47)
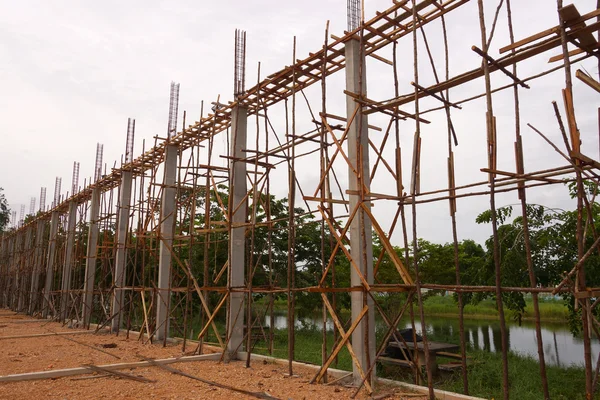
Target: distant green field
(550,309)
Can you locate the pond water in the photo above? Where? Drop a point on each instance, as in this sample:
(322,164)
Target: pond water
(561,348)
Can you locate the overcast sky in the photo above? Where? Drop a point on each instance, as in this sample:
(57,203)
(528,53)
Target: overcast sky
(72,72)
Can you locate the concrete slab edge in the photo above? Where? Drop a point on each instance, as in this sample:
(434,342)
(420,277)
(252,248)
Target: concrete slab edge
(338,373)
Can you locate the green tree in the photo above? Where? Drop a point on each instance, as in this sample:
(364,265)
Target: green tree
(553,240)
(4,212)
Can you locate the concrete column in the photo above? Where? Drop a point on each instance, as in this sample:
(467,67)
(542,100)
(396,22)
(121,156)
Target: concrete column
(3,268)
(6,290)
(7,271)
(13,271)
(19,271)
(237,242)
(24,267)
(167,227)
(121,255)
(4,271)
(50,263)
(68,265)
(361,246)
(90,260)
(37,266)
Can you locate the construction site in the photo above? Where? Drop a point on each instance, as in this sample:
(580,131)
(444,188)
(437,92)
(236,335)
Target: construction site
(164,275)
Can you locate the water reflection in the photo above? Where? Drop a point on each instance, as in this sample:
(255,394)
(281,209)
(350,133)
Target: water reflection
(560,347)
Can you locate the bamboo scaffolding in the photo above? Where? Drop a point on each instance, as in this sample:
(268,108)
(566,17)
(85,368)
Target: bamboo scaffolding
(288,136)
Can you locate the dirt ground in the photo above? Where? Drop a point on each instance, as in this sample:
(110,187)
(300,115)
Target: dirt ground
(21,355)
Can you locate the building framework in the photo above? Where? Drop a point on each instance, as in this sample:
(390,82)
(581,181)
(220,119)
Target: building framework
(140,246)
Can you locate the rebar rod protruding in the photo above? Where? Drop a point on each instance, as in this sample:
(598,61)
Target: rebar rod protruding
(21,215)
(75,180)
(98,165)
(42,199)
(173,110)
(32,206)
(57,184)
(354,9)
(130,139)
(239,79)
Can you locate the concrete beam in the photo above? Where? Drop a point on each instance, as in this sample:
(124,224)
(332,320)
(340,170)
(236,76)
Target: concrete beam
(238,213)
(59,373)
(90,260)
(68,264)
(50,263)
(167,228)
(121,254)
(38,265)
(361,246)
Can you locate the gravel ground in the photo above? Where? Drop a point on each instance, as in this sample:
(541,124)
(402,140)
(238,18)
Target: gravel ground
(21,355)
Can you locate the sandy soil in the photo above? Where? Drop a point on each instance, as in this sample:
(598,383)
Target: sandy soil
(46,353)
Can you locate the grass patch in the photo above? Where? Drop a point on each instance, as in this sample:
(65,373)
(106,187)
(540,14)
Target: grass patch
(550,309)
(484,372)
(485,378)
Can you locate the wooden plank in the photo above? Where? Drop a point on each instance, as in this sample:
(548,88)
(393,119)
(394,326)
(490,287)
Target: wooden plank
(585,159)
(335,201)
(45,334)
(337,117)
(570,111)
(530,39)
(570,15)
(588,80)
(548,32)
(59,373)
(450,355)
(478,72)
(395,361)
(586,294)
(449,367)
(123,375)
(561,56)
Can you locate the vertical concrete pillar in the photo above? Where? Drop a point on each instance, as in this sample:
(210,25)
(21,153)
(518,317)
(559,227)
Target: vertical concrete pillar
(121,254)
(3,268)
(50,264)
(68,265)
(4,271)
(24,268)
(6,280)
(90,259)
(237,237)
(167,227)
(13,271)
(7,271)
(361,246)
(18,271)
(38,265)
